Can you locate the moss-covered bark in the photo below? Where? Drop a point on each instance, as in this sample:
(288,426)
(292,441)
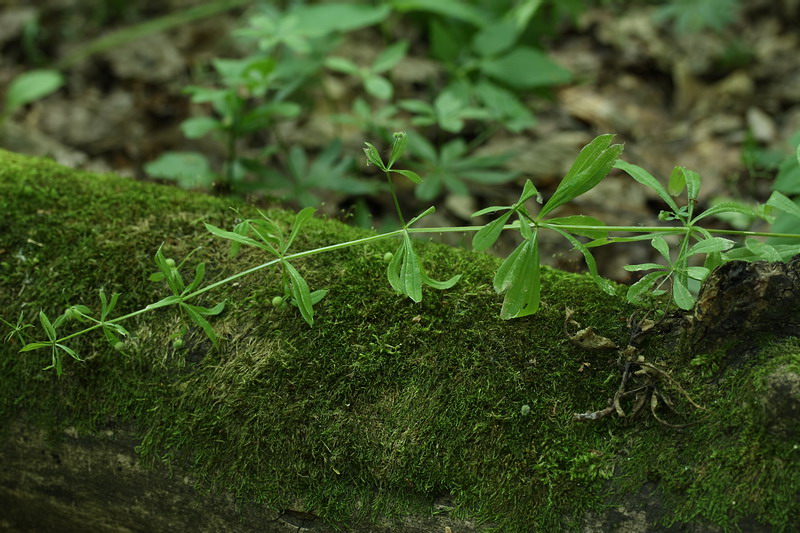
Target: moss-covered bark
(383,407)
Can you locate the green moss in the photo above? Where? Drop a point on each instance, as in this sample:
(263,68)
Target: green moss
(380,407)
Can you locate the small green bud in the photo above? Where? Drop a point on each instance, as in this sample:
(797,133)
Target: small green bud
(177,344)
(387,257)
(171,263)
(526,410)
(277,301)
(119,346)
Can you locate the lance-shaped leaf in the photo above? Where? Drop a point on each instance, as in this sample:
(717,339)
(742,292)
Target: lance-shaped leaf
(681,294)
(518,277)
(413,176)
(196,313)
(394,266)
(399,144)
(783,203)
(299,221)
(301,293)
(645,178)
(643,286)
(733,207)
(591,166)
(233,236)
(601,282)
(488,234)
(199,274)
(411,272)
(49,330)
(374,157)
(707,246)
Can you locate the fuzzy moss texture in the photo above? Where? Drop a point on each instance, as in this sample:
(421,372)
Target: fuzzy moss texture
(384,404)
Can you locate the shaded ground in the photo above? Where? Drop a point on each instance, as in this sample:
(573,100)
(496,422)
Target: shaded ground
(719,103)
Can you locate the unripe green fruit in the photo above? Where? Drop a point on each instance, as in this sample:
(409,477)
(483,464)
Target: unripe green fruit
(119,346)
(526,410)
(277,301)
(177,343)
(388,256)
(170,263)
(69,314)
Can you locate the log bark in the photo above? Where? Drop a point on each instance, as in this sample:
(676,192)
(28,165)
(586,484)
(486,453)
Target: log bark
(386,415)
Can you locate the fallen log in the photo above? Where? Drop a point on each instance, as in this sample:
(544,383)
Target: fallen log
(386,415)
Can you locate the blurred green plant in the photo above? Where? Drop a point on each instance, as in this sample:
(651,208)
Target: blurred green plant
(787,182)
(294,46)
(28,87)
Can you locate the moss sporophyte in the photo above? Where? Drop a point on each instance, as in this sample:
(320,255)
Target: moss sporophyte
(518,277)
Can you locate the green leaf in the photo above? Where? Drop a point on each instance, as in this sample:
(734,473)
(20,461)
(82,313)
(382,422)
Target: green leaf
(197,127)
(199,274)
(318,295)
(646,179)
(635,291)
(663,248)
(72,353)
(169,300)
(197,317)
(318,20)
(411,272)
(234,236)
(389,58)
(763,250)
(491,209)
(188,169)
(681,294)
(299,221)
(528,191)
(301,293)
(47,325)
(413,176)
(524,68)
(31,86)
(440,285)
(731,207)
(698,273)
(592,164)
(488,234)
(707,246)
(422,215)
(399,144)
(779,201)
(394,266)
(450,8)
(374,157)
(518,277)
(378,86)
(341,64)
(495,38)
(35,346)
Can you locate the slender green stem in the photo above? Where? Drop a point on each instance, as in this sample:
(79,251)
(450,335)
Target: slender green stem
(395,233)
(394,197)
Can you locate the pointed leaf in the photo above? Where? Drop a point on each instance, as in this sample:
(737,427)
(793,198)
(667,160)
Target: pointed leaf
(413,176)
(399,145)
(198,319)
(411,272)
(644,266)
(47,325)
(507,271)
(643,177)
(440,285)
(763,250)
(169,300)
(70,351)
(422,215)
(642,286)
(299,220)
(233,236)
(301,293)
(592,165)
(783,203)
(529,191)
(35,346)
(707,246)
(374,157)
(488,234)
(491,209)
(698,273)
(199,274)
(393,269)
(601,282)
(681,294)
(663,248)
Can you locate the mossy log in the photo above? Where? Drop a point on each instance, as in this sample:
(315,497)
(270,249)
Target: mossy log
(386,415)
